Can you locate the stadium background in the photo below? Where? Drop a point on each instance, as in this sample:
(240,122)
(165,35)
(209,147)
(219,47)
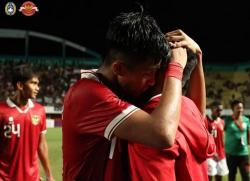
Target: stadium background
(64,37)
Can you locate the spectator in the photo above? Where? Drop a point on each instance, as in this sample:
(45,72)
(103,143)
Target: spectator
(237,129)
(217,166)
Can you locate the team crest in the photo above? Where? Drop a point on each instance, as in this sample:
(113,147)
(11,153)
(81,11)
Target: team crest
(35,119)
(28,8)
(10,8)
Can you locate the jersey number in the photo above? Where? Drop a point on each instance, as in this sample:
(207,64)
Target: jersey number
(11,128)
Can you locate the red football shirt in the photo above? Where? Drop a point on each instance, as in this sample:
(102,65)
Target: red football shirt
(185,160)
(91,114)
(216,128)
(19,139)
(191,165)
(150,164)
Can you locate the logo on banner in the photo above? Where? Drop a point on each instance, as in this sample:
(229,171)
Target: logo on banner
(10,8)
(28,8)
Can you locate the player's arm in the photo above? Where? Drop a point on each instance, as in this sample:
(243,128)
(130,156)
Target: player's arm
(248,133)
(248,136)
(157,129)
(197,89)
(44,158)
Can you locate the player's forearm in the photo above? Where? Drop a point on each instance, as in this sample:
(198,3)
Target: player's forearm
(167,113)
(44,158)
(197,87)
(248,137)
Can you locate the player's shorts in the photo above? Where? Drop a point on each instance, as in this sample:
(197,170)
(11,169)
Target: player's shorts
(217,167)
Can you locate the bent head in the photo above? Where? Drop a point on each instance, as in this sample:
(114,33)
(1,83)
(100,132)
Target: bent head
(135,46)
(237,107)
(25,82)
(216,109)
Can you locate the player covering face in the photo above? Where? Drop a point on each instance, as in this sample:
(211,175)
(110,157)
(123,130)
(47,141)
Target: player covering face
(96,118)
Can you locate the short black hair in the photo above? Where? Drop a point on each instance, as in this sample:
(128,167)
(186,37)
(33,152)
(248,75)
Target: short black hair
(22,73)
(135,37)
(235,102)
(190,65)
(215,103)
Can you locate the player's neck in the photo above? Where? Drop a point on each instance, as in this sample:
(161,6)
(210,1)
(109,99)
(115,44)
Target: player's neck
(106,73)
(237,115)
(108,78)
(214,117)
(19,101)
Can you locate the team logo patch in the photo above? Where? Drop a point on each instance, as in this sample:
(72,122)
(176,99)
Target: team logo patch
(35,119)
(28,8)
(10,8)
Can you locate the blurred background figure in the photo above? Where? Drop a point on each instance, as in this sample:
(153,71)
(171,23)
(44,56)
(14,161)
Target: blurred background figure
(237,129)
(217,166)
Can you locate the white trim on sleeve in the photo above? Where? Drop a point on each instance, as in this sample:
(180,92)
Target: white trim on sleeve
(112,148)
(44,131)
(118,120)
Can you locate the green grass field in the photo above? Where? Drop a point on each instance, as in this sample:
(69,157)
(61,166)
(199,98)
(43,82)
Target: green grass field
(54,138)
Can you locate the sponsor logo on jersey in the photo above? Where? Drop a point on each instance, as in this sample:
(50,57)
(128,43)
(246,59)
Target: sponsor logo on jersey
(35,119)
(10,8)
(28,8)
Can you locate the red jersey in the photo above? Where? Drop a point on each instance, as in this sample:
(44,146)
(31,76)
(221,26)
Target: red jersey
(91,114)
(19,139)
(216,128)
(187,156)
(191,165)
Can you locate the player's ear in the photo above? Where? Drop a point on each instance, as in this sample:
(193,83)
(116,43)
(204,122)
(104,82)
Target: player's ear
(119,68)
(19,85)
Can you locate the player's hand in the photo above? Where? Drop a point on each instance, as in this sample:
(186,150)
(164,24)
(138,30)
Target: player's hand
(50,179)
(178,38)
(179,55)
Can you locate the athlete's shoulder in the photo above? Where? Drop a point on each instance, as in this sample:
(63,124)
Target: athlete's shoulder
(89,88)
(245,117)
(152,103)
(188,103)
(208,118)
(227,118)
(3,106)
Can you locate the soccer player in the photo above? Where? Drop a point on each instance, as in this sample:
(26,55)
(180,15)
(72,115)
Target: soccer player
(96,120)
(22,131)
(217,166)
(186,159)
(237,141)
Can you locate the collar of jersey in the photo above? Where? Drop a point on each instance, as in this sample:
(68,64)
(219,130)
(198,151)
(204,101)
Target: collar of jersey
(10,103)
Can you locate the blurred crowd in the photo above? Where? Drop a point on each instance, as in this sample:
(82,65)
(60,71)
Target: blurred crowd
(54,81)
(228,86)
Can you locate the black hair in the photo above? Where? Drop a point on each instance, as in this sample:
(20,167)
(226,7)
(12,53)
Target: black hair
(234,103)
(160,76)
(215,103)
(22,73)
(191,63)
(135,37)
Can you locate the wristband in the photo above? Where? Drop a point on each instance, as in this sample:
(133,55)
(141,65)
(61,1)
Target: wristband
(175,70)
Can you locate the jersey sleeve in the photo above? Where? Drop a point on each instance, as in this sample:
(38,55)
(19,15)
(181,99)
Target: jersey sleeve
(96,110)
(248,123)
(43,121)
(226,122)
